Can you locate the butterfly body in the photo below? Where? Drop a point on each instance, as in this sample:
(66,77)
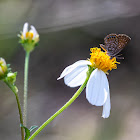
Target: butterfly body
(115,43)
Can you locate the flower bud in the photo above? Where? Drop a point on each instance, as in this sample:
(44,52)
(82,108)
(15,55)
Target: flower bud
(3,68)
(12,77)
(29,39)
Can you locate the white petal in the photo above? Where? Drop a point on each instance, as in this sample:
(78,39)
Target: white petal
(70,68)
(96,88)
(35,33)
(25,29)
(76,77)
(106,107)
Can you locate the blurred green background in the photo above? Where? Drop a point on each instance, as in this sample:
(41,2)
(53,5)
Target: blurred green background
(67,30)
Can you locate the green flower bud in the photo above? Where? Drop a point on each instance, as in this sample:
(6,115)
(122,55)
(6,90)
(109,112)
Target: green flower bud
(11,77)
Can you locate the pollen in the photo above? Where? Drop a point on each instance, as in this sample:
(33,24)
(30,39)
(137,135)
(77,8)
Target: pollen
(101,60)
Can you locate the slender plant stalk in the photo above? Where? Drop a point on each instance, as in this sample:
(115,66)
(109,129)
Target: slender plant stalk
(27,56)
(19,107)
(62,108)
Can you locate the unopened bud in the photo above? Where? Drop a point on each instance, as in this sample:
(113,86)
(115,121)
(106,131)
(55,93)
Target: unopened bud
(3,68)
(12,77)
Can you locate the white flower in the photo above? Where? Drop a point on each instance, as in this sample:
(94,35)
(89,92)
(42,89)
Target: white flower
(32,34)
(29,38)
(97,88)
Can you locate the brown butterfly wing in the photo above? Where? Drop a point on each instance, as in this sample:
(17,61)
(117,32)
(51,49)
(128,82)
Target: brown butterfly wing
(122,41)
(111,44)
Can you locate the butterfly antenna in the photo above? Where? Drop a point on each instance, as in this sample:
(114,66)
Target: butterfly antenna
(102,46)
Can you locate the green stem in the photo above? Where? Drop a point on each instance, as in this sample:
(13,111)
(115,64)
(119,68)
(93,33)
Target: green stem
(61,109)
(27,56)
(13,88)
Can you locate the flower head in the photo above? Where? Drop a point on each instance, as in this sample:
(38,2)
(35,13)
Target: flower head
(6,74)
(102,60)
(97,88)
(3,68)
(29,39)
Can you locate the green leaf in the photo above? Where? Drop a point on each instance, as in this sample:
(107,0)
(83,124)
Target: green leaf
(27,132)
(8,65)
(33,127)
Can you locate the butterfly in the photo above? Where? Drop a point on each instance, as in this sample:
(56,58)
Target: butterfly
(114,44)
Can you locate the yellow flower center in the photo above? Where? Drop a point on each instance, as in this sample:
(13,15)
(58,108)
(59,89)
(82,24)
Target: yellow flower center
(101,60)
(29,35)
